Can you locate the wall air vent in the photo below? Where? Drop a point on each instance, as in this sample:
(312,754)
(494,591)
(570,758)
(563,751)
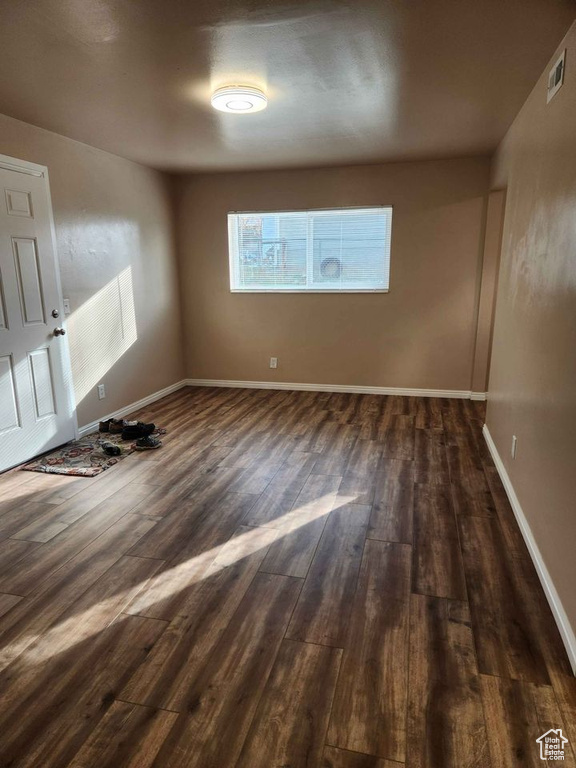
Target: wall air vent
(556,77)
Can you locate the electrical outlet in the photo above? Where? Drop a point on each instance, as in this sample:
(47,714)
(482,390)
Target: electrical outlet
(66,303)
(513,446)
(101,391)
(273,362)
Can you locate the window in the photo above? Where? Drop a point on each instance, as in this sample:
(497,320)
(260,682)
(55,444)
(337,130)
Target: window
(346,249)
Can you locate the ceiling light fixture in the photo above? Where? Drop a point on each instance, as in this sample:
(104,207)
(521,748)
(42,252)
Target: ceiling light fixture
(239,99)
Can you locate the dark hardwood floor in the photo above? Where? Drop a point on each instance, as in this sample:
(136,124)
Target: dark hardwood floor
(295,580)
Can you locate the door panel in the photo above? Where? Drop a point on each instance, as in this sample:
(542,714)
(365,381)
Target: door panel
(42,382)
(29,281)
(8,406)
(3,313)
(19,203)
(36,410)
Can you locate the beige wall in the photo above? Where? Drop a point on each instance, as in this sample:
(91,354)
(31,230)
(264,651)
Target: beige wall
(421,334)
(533,371)
(114,231)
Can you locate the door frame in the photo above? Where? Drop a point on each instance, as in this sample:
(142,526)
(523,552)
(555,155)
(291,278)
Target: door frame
(41,171)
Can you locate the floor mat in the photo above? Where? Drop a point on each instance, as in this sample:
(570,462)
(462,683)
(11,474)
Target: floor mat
(83,457)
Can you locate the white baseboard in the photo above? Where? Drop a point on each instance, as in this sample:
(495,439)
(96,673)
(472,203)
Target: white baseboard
(457,393)
(566,630)
(85,430)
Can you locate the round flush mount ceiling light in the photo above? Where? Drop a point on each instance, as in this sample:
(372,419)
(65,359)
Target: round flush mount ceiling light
(239,99)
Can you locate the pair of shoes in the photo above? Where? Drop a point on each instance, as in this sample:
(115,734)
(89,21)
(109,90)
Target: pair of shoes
(110,448)
(104,426)
(147,443)
(136,429)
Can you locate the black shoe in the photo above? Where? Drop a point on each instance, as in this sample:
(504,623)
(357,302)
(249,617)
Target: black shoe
(147,443)
(134,431)
(110,449)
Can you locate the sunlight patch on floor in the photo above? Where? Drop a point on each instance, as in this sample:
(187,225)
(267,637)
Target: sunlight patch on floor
(82,626)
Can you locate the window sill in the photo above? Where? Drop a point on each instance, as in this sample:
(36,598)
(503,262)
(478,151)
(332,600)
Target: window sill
(310,290)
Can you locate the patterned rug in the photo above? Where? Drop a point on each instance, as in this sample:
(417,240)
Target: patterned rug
(83,457)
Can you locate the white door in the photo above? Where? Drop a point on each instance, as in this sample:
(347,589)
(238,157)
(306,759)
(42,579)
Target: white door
(36,406)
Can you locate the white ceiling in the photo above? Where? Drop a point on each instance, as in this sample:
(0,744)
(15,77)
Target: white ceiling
(348,81)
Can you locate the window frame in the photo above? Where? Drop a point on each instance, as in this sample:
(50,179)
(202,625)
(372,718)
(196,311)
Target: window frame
(233,262)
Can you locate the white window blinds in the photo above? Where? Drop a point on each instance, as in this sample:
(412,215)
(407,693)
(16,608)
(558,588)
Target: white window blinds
(346,249)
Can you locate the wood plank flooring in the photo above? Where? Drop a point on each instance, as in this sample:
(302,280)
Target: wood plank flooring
(295,580)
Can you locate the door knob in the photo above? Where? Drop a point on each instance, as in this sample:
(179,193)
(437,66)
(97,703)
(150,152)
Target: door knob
(59,332)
